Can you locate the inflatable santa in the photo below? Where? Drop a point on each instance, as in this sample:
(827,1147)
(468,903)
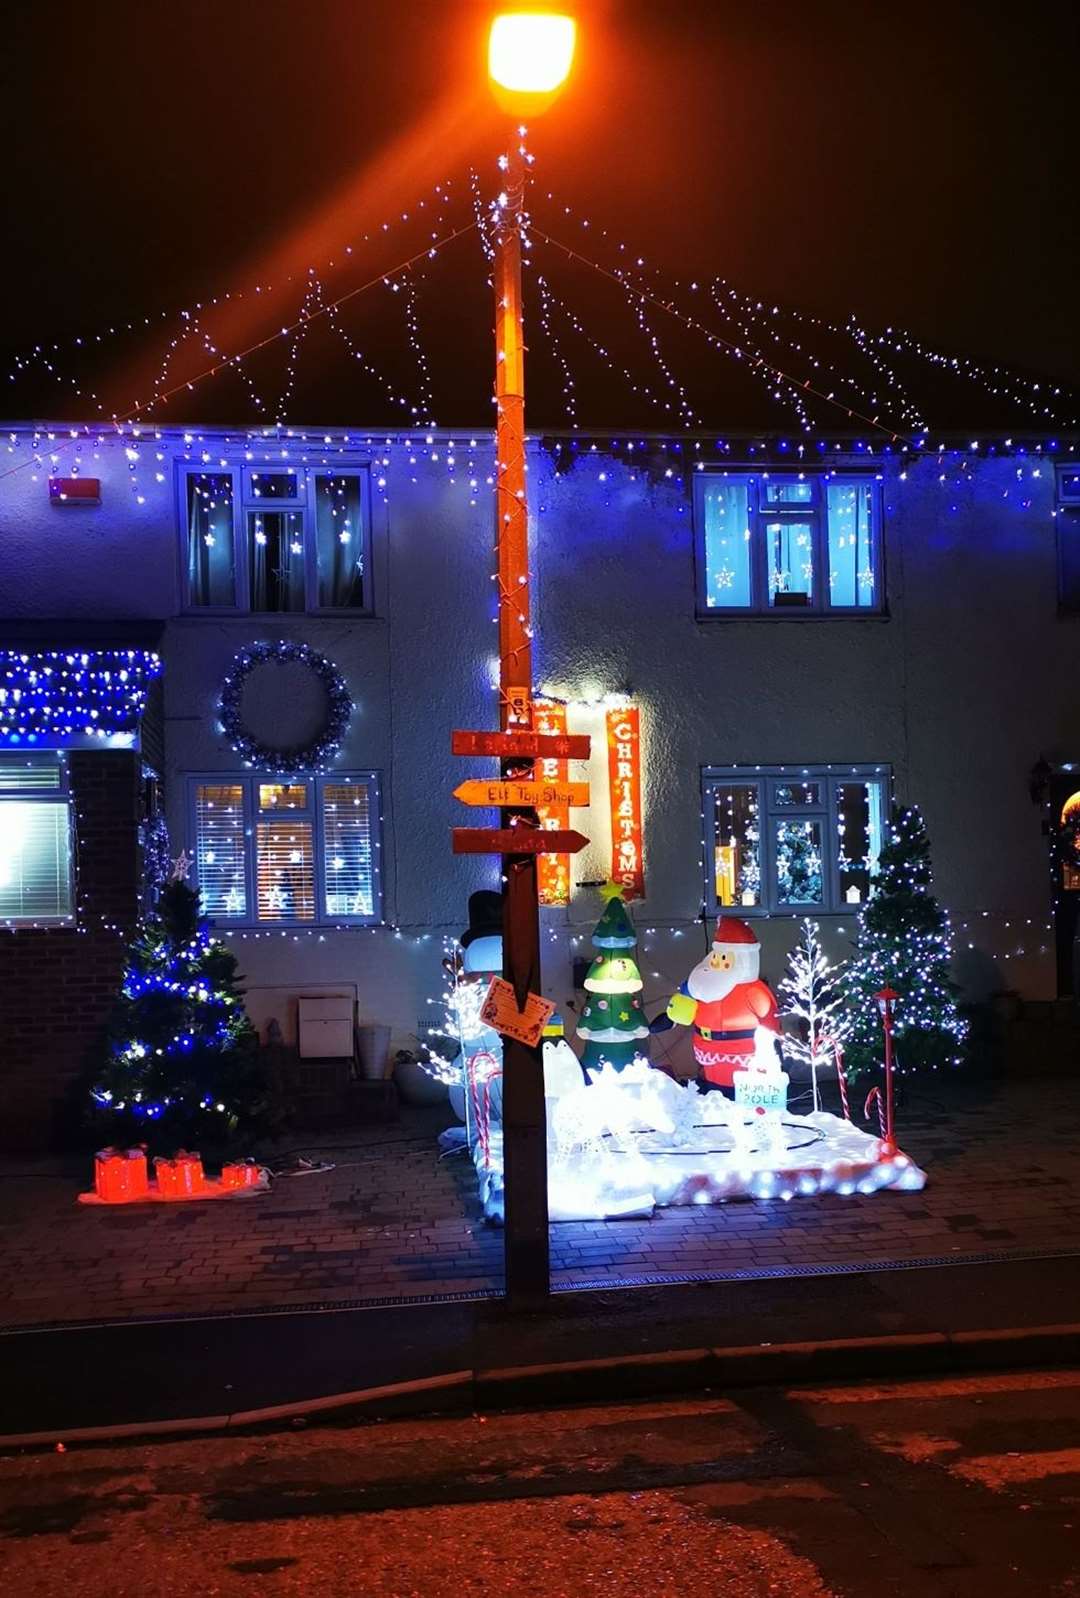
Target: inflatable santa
(725,1001)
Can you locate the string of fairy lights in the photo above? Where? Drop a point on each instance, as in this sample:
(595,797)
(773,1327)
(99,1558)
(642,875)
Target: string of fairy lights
(760,328)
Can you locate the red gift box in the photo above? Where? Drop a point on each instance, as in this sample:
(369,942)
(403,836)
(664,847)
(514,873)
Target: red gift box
(120,1175)
(181,1177)
(242,1173)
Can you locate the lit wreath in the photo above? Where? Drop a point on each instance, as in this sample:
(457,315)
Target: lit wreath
(316,756)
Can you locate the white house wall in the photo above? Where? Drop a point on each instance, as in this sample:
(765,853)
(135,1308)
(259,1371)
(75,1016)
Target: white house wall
(966,681)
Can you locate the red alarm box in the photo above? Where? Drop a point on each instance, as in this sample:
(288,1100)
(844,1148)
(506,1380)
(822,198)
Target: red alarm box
(120,1175)
(180,1178)
(75,490)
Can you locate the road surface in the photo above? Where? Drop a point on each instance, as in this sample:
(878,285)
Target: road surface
(965,1488)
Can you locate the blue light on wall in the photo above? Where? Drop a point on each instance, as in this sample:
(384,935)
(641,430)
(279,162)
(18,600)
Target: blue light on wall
(53,698)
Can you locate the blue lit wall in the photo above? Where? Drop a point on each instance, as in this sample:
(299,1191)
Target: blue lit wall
(969,677)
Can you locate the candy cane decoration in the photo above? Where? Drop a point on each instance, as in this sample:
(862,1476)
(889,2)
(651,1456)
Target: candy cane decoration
(841,1078)
(483,1067)
(874,1096)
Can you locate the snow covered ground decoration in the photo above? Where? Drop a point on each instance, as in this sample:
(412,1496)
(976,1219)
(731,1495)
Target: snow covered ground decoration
(634,1141)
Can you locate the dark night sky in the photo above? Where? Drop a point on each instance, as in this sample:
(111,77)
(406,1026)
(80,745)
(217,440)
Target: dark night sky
(913,166)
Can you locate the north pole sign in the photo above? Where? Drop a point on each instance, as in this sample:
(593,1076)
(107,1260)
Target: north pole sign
(624,782)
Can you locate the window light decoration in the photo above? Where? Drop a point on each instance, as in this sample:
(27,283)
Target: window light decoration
(58,697)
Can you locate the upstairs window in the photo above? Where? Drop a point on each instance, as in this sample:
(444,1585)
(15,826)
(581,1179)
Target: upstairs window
(788,545)
(793,840)
(36,855)
(296,851)
(278,540)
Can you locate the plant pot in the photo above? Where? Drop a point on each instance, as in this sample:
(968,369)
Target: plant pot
(373,1047)
(417,1086)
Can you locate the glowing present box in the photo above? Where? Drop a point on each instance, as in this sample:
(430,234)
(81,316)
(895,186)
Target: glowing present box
(242,1173)
(181,1177)
(120,1175)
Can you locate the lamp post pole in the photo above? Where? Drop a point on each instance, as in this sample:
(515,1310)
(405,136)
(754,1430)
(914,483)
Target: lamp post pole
(523,1119)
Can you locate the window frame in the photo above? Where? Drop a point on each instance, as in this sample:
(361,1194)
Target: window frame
(766,779)
(249,783)
(61,794)
(1066,514)
(245,503)
(760,515)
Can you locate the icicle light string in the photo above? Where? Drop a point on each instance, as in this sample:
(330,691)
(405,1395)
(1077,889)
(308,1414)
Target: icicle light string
(80,342)
(427,253)
(717,342)
(357,355)
(636,387)
(996,379)
(555,350)
(292,357)
(686,412)
(753,333)
(423,370)
(722,291)
(118,422)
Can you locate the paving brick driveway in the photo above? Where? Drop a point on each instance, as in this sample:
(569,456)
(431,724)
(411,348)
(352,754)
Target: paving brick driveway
(393,1220)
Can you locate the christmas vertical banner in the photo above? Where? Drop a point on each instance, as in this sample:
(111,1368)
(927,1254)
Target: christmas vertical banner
(624,782)
(553,870)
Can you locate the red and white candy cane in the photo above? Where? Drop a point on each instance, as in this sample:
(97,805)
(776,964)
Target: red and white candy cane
(841,1077)
(874,1096)
(483,1067)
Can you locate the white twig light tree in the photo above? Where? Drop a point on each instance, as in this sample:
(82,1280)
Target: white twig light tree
(813,995)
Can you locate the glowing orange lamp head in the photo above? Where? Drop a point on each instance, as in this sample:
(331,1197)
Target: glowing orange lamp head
(529,58)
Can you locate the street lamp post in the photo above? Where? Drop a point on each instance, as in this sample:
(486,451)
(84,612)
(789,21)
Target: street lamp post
(529,55)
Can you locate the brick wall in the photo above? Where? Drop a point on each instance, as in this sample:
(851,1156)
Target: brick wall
(58,984)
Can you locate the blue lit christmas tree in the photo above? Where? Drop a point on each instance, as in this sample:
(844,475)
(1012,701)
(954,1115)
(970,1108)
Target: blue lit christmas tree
(903,942)
(182,1063)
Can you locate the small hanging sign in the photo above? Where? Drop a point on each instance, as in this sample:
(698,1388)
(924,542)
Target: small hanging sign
(624,778)
(500,1012)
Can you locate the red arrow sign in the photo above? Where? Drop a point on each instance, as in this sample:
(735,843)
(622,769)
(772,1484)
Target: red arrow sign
(515,840)
(528,745)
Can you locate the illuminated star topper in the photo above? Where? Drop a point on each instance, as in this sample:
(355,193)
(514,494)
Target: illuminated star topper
(181,866)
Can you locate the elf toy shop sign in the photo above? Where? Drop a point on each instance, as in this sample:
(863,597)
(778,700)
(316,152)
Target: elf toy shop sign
(624,777)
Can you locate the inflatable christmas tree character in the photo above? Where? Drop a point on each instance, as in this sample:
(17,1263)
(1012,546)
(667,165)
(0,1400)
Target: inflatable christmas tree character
(613,1022)
(726,1001)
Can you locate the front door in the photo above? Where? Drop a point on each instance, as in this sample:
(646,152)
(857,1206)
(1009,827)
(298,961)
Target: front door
(1065,855)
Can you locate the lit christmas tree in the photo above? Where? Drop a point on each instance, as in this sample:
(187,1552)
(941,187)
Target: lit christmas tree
(613,1022)
(182,1062)
(904,942)
(813,995)
(798,863)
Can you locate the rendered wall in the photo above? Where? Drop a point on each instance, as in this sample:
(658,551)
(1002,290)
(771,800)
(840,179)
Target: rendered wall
(966,681)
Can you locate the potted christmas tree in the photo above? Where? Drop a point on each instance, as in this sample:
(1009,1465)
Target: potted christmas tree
(613,1022)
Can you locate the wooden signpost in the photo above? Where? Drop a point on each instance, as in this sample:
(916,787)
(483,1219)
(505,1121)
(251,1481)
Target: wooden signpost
(516,1005)
(515,840)
(514,795)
